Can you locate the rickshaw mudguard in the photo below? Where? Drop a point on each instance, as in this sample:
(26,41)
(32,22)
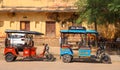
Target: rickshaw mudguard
(10,50)
(64,51)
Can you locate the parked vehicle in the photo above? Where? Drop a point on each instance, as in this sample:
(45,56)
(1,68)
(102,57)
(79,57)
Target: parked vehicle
(24,39)
(87,39)
(19,40)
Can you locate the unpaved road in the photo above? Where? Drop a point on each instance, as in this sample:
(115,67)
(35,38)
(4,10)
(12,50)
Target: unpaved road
(57,65)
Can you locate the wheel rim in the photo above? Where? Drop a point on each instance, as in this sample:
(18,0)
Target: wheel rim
(66,58)
(49,57)
(9,57)
(106,59)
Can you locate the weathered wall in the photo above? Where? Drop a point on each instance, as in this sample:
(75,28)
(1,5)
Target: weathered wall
(13,22)
(38,3)
(37,21)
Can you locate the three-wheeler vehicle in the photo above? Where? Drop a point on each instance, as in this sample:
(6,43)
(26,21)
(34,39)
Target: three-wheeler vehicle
(82,40)
(20,43)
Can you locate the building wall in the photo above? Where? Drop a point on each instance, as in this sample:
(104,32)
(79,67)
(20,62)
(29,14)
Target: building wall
(38,3)
(8,20)
(13,21)
(37,19)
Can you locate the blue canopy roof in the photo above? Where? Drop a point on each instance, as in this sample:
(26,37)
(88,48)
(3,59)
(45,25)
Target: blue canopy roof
(91,31)
(79,31)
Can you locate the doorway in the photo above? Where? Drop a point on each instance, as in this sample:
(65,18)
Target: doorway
(25,25)
(50,28)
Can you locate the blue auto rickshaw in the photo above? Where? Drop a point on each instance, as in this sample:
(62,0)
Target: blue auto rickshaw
(84,40)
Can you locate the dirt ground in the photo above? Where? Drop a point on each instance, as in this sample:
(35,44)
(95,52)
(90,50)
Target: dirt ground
(57,65)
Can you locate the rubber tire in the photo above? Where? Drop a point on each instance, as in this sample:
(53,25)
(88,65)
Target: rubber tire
(66,58)
(106,59)
(49,57)
(9,57)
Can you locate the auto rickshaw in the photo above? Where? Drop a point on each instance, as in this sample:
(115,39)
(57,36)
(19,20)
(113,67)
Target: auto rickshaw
(84,40)
(18,41)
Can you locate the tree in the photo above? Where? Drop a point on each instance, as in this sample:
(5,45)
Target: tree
(98,11)
(114,9)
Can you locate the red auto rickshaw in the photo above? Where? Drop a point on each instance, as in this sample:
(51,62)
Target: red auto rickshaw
(18,41)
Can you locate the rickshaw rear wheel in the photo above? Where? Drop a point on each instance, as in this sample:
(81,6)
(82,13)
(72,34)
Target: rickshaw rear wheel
(9,57)
(66,58)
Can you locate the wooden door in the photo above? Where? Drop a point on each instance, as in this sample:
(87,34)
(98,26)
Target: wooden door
(50,28)
(25,25)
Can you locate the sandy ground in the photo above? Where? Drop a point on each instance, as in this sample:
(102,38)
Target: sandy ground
(58,65)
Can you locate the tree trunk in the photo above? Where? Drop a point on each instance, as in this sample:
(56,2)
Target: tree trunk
(95,23)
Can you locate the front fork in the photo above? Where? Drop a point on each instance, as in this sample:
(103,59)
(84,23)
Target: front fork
(100,53)
(45,51)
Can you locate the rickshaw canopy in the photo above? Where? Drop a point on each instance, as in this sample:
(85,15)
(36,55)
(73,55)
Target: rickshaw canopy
(23,31)
(78,30)
(81,31)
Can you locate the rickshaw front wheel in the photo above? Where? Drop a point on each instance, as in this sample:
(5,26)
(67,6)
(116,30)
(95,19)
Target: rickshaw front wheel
(49,57)
(106,59)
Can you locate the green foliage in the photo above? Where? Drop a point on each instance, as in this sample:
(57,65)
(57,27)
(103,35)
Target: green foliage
(98,11)
(114,9)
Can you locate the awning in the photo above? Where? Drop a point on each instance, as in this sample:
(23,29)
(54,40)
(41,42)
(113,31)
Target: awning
(39,9)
